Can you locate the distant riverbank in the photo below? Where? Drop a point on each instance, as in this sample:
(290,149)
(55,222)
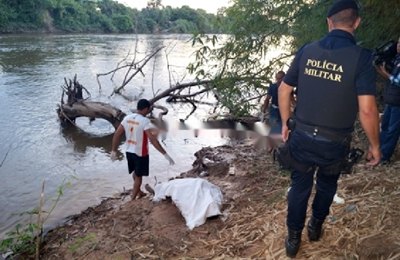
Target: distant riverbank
(64,16)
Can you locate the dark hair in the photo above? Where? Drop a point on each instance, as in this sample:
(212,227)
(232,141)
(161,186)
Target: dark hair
(281,72)
(346,17)
(341,5)
(143,103)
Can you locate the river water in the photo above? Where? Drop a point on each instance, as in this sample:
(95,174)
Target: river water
(33,146)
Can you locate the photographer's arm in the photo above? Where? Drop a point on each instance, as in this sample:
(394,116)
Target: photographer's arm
(284,100)
(382,71)
(265,106)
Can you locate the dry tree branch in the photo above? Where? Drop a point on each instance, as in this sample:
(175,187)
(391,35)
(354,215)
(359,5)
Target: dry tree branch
(152,77)
(126,65)
(5,156)
(168,66)
(167,92)
(130,66)
(132,63)
(190,95)
(139,69)
(183,98)
(194,107)
(111,71)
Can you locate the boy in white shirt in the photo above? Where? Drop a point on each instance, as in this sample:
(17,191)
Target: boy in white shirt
(138,131)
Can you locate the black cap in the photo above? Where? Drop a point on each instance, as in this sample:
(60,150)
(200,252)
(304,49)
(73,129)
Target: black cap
(342,5)
(142,104)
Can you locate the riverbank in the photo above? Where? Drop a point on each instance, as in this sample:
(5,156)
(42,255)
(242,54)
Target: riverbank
(365,226)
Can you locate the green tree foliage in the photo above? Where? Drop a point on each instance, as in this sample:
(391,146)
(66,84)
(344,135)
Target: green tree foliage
(123,23)
(183,25)
(154,4)
(69,16)
(22,14)
(101,16)
(21,241)
(240,65)
(379,22)
(6,14)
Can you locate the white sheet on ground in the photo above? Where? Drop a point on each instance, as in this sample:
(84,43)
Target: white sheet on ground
(197,199)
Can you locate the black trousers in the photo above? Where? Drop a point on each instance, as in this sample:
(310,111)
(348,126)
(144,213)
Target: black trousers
(315,151)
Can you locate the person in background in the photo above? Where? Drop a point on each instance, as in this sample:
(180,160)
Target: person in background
(390,125)
(271,103)
(138,131)
(335,81)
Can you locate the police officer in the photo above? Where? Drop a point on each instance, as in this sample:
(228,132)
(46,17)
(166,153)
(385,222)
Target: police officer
(271,101)
(390,126)
(335,80)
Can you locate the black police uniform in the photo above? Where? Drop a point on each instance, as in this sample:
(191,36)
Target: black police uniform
(392,91)
(275,120)
(329,75)
(390,124)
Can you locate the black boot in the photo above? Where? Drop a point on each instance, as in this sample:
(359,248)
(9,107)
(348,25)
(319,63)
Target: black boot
(314,229)
(292,243)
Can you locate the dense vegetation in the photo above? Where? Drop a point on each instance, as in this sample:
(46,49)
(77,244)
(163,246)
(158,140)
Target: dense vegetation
(238,63)
(259,27)
(101,16)
(235,66)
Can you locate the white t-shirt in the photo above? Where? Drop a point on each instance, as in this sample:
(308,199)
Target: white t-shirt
(137,141)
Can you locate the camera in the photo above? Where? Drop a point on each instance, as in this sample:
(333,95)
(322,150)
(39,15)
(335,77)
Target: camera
(385,53)
(353,157)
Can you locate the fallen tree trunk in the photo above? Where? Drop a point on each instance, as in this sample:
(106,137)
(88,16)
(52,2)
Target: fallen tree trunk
(76,106)
(92,110)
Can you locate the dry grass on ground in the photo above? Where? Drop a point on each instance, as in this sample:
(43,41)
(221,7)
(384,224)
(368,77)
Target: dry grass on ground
(366,226)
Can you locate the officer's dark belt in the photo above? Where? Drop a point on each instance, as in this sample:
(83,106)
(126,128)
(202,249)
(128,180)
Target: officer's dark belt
(322,132)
